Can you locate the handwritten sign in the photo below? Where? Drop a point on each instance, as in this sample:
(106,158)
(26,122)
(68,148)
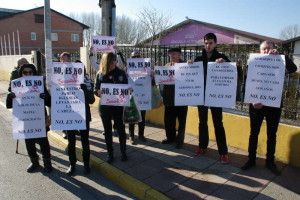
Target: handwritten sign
(103,43)
(67,108)
(189,84)
(164,75)
(221,83)
(265,79)
(115,94)
(67,73)
(139,70)
(28,108)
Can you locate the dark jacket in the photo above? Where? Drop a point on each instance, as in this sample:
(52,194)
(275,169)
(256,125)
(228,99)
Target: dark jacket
(169,91)
(116,76)
(213,58)
(88,89)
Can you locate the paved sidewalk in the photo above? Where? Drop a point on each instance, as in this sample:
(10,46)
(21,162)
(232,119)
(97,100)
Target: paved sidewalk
(160,171)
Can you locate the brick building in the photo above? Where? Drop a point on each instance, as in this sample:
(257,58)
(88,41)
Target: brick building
(28,26)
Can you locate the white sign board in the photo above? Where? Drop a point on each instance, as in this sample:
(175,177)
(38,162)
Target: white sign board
(221,84)
(189,84)
(115,94)
(265,79)
(28,108)
(164,75)
(103,43)
(67,108)
(67,73)
(139,70)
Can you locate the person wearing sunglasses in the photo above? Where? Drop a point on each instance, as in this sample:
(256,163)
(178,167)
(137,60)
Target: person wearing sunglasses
(30,70)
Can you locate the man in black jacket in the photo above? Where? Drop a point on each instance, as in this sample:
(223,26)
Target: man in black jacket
(210,54)
(171,111)
(258,112)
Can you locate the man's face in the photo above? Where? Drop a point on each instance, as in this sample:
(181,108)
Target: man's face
(64,59)
(135,55)
(174,56)
(210,45)
(264,48)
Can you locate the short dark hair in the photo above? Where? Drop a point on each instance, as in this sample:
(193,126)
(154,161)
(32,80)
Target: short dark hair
(210,36)
(31,66)
(174,50)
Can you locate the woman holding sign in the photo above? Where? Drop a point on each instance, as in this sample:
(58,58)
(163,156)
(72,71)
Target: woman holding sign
(30,70)
(109,73)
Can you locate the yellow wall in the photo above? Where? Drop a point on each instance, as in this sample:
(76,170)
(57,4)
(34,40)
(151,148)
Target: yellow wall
(4,75)
(237,133)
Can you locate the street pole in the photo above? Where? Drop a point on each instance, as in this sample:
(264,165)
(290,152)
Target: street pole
(108,17)
(48,43)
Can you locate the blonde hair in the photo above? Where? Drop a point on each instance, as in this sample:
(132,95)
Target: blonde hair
(106,60)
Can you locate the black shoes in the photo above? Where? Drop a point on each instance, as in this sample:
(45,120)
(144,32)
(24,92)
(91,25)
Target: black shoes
(124,158)
(142,138)
(167,141)
(110,159)
(178,145)
(248,165)
(71,170)
(272,167)
(34,164)
(47,165)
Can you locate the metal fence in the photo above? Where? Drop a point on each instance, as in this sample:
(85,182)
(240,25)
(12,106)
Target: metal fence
(159,57)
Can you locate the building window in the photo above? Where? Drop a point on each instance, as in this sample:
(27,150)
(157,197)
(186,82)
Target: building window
(38,18)
(54,37)
(75,37)
(33,35)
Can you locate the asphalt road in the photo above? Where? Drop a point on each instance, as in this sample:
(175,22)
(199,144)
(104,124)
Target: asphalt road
(16,183)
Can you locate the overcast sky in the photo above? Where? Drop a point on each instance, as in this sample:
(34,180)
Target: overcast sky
(264,17)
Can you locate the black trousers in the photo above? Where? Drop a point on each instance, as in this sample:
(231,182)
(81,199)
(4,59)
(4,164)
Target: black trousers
(256,118)
(44,145)
(140,124)
(218,125)
(84,134)
(116,113)
(171,114)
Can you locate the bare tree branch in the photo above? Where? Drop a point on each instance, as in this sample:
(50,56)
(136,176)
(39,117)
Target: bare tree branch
(289,32)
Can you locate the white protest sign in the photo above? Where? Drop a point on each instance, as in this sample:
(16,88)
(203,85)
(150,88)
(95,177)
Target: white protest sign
(115,94)
(67,108)
(265,79)
(28,108)
(164,75)
(189,84)
(221,83)
(103,43)
(139,70)
(67,73)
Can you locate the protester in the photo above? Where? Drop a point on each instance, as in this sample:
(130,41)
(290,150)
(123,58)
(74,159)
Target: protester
(30,70)
(15,73)
(210,54)
(173,112)
(87,88)
(258,112)
(141,124)
(109,73)
(65,57)
(239,67)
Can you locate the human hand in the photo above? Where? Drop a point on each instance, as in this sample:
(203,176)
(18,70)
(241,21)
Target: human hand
(99,93)
(257,105)
(11,95)
(220,60)
(273,51)
(190,62)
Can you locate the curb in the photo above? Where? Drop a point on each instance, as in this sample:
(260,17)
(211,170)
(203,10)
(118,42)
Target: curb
(123,180)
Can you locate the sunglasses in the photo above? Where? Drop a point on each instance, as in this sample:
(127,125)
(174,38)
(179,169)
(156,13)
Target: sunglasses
(27,72)
(135,56)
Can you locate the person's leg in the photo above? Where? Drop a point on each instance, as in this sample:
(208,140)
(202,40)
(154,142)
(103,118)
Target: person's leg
(272,118)
(203,128)
(142,126)
(170,124)
(71,150)
(181,115)
(118,120)
(86,147)
(45,149)
(106,116)
(219,130)
(31,150)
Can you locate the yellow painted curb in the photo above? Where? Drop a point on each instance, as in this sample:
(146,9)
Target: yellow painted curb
(125,181)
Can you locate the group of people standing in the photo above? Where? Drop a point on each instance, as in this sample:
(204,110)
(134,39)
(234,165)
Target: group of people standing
(110,73)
